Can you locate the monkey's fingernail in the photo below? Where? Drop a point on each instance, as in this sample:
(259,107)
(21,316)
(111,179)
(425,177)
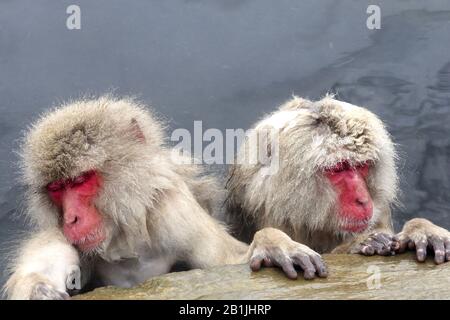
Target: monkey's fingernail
(368,250)
(292,275)
(421,255)
(439,257)
(255,264)
(323,273)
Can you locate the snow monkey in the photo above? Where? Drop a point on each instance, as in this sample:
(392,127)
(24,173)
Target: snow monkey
(110,202)
(334,187)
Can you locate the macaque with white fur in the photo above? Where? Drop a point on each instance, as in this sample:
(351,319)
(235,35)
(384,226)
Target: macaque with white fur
(335,185)
(107,198)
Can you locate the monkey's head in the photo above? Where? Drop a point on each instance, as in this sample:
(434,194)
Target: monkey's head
(86,165)
(336,170)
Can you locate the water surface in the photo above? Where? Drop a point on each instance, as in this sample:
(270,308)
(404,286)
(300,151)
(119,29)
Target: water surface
(230,62)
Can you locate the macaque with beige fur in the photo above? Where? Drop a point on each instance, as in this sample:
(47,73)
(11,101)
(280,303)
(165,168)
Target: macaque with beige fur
(334,186)
(110,201)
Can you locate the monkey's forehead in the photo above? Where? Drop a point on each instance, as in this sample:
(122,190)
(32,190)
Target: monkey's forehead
(335,129)
(83,135)
(340,117)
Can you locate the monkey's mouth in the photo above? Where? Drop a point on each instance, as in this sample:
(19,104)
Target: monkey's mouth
(90,241)
(355,226)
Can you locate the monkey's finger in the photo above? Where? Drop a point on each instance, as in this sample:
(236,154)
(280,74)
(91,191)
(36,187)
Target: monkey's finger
(309,271)
(447,249)
(388,242)
(403,242)
(366,250)
(256,262)
(321,267)
(379,248)
(421,248)
(43,291)
(382,238)
(286,264)
(395,244)
(437,243)
(384,251)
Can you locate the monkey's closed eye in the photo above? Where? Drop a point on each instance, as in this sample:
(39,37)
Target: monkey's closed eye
(82,178)
(340,167)
(55,186)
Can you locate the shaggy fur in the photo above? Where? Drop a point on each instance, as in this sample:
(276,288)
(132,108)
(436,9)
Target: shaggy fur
(149,194)
(156,209)
(106,135)
(312,136)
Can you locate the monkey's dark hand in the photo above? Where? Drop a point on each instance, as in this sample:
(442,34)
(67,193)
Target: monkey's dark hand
(420,235)
(45,291)
(272,247)
(379,243)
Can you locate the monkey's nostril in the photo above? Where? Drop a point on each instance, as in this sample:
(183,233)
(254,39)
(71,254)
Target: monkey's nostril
(362,202)
(71,221)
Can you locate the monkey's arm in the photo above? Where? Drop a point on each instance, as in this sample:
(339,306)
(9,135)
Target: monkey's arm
(44,265)
(378,240)
(208,244)
(270,247)
(419,234)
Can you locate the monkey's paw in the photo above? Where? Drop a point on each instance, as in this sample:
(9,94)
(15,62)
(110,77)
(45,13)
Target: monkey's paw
(380,243)
(45,291)
(420,235)
(272,247)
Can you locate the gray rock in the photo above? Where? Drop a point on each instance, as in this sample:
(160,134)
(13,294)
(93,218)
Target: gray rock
(351,277)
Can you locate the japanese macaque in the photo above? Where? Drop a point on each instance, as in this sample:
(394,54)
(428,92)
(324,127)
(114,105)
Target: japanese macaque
(330,182)
(112,205)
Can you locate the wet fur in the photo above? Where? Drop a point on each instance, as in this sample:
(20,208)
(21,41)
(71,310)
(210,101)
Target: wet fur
(313,136)
(154,206)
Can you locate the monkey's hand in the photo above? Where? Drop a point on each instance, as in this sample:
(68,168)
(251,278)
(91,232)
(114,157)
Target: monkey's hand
(379,243)
(420,235)
(272,247)
(45,291)
(45,268)
(34,287)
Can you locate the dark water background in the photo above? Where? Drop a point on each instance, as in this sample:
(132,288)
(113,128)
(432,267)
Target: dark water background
(227,63)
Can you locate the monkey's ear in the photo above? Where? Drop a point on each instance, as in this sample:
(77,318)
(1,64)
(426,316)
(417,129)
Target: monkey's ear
(135,129)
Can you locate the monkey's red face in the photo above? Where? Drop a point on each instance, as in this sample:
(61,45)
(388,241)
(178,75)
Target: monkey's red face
(354,200)
(82,223)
